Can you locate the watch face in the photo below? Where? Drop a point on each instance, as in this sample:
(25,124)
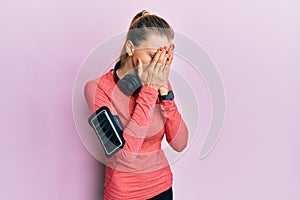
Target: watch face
(169,96)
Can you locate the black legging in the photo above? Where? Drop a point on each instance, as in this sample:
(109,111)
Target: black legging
(166,195)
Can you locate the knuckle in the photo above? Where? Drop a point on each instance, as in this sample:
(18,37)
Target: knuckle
(161,59)
(155,59)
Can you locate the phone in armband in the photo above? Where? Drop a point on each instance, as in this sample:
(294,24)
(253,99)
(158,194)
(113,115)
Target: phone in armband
(108,129)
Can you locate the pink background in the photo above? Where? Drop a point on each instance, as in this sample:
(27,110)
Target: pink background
(255,45)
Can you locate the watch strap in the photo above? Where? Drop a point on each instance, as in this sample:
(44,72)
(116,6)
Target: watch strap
(169,96)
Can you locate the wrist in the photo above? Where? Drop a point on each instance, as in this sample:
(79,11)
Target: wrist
(151,85)
(163,91)
(168,96)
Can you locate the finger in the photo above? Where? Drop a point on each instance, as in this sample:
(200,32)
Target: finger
(160,68)
(151,67)
(172,47)
(168,63)
(140,67)
(167,66)
(170,55)
(162,57)
(157,69)
(156,57)
(166,69)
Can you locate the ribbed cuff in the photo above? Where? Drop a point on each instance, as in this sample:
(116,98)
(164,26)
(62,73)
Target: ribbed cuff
(167,106)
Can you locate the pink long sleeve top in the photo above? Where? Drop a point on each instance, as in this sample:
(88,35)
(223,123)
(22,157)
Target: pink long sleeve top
(140,170)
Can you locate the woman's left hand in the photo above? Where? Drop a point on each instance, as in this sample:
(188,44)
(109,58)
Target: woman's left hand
(166,70)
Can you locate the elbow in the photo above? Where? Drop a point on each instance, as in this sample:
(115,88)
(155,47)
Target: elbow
(179,143)
(182,147)
(132,146)
(179,146)
(126,156)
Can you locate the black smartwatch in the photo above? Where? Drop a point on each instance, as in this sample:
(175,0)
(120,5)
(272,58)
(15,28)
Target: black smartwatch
(169,96)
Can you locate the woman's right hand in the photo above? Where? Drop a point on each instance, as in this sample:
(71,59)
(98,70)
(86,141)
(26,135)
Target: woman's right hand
(156,73)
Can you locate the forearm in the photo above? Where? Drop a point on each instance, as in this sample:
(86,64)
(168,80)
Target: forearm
(136,129)
(175,127)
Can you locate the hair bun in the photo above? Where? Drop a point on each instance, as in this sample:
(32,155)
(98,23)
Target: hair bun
(145,12)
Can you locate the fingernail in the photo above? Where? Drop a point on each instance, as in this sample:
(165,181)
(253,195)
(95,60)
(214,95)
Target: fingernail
(167,52)
(165,47)
(138,61)
(168,59)
(160,49)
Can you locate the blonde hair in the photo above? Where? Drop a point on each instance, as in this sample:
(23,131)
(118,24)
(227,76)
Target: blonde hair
(141,25)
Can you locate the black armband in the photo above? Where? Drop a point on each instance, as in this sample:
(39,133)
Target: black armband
(108,129)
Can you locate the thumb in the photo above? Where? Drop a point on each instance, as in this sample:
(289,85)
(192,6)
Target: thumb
(140,67)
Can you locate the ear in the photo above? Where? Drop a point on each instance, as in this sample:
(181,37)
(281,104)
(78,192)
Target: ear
(129,47)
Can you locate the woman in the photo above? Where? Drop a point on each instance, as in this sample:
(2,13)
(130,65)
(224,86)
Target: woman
(138,91)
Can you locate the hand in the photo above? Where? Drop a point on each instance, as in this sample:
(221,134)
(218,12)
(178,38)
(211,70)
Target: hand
(165,89)
(157,72)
